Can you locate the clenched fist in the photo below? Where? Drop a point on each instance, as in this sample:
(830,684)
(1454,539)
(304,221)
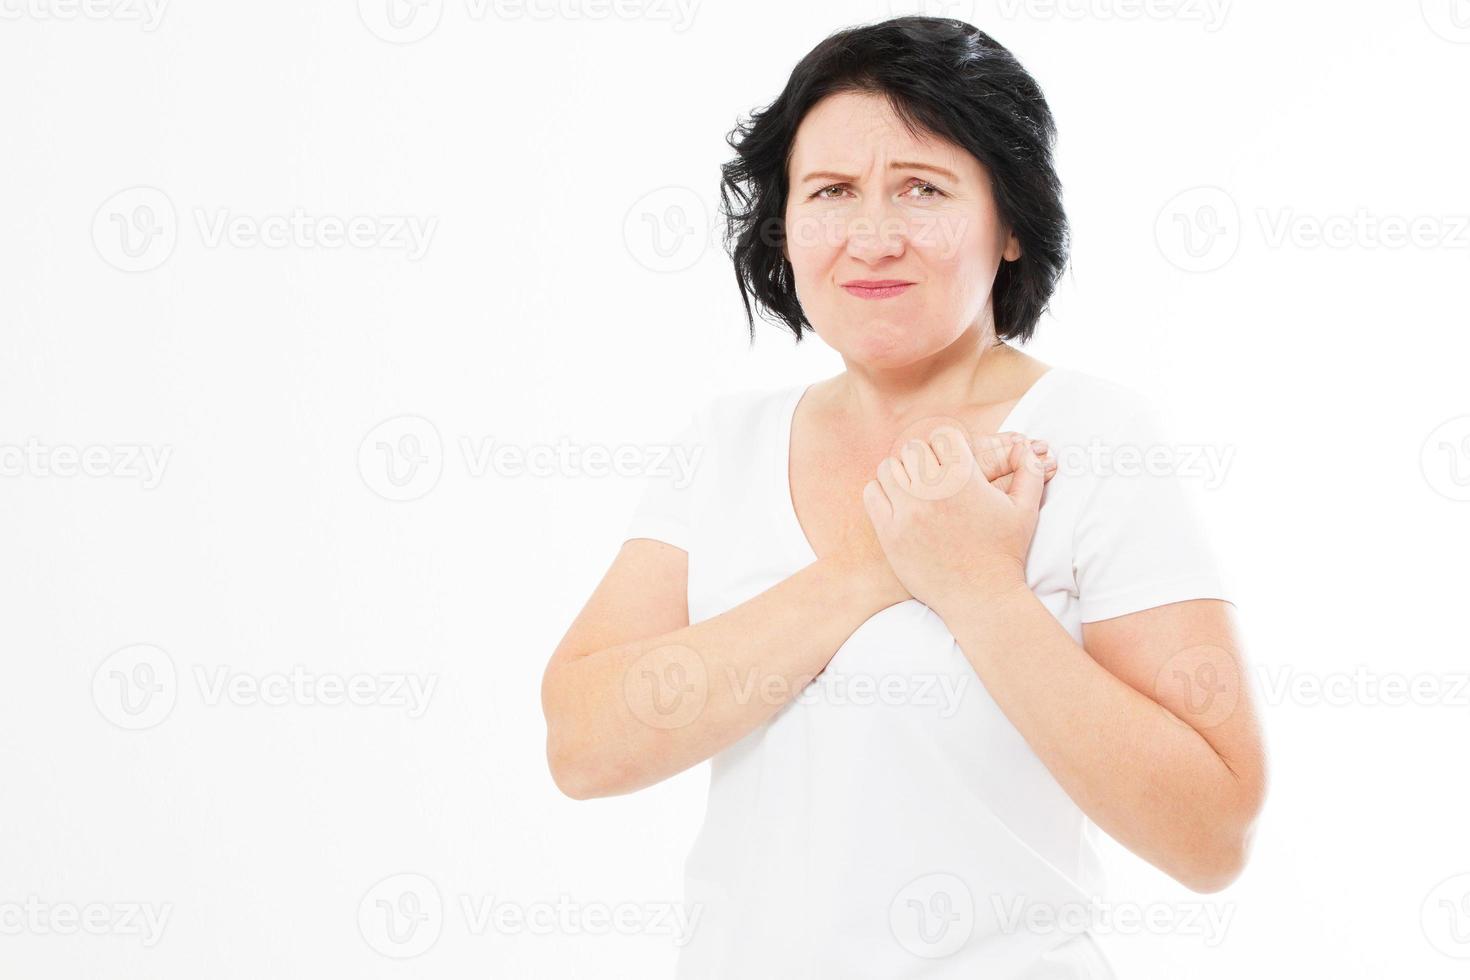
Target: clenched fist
(951,535)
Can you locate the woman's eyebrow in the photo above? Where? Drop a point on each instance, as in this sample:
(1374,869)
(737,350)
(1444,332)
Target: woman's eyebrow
(896,165)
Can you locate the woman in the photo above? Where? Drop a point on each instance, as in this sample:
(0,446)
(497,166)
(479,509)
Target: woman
(926,664)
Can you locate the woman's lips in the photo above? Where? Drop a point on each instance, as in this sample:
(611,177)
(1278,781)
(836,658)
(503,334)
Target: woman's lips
(876,289)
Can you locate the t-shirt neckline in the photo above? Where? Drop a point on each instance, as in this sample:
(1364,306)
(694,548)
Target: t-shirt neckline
(800,545)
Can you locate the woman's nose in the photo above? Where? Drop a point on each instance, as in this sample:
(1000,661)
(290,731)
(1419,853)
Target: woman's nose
(876,231)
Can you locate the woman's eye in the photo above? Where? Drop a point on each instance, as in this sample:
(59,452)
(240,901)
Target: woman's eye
(922,185)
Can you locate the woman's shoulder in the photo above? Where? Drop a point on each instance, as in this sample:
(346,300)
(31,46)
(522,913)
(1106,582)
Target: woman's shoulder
(1081,401)
(740,412)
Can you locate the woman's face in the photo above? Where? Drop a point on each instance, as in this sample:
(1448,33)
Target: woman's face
(870,202)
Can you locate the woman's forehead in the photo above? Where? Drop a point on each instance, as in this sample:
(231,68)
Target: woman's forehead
(850,131)
(856,158)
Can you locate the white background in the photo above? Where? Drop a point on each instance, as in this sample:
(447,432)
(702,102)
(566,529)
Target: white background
(543,311)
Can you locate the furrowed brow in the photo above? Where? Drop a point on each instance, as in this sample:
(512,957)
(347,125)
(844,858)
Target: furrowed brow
(833,175)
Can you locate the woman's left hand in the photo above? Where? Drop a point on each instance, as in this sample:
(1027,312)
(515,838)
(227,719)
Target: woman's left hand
(952,537)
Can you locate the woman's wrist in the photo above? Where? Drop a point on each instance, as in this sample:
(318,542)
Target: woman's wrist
(869,580)
(987,605)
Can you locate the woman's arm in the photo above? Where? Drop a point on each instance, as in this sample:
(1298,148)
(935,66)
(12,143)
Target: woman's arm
(634,694)
(1149,728)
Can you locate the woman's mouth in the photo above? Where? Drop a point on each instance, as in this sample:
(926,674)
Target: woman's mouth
(876,288)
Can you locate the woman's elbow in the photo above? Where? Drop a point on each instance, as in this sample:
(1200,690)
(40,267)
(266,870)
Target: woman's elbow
(1215,865)
(1214,869)
(574,782)
(580,775)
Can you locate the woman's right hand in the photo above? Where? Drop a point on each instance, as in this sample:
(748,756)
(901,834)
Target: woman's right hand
(862,555)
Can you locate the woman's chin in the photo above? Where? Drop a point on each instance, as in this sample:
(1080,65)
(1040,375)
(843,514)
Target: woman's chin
(882,347)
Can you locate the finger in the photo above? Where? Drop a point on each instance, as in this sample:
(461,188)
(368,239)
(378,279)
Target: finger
(1048,462)
(993,453)
(892,478)
(1027,480)
(919,461)
(952,447)
(877,504)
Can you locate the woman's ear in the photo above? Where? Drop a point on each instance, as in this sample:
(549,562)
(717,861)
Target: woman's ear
(1013,248)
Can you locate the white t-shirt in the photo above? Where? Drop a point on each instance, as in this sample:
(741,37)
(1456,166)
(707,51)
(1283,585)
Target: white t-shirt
(890,821)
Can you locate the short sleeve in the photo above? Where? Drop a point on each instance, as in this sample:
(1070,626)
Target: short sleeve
(665,508)
(1139,540)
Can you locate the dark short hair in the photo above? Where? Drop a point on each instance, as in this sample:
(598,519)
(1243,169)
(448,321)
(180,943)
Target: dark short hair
(942,77)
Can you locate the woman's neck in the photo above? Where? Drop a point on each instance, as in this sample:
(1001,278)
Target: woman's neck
(975,370)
